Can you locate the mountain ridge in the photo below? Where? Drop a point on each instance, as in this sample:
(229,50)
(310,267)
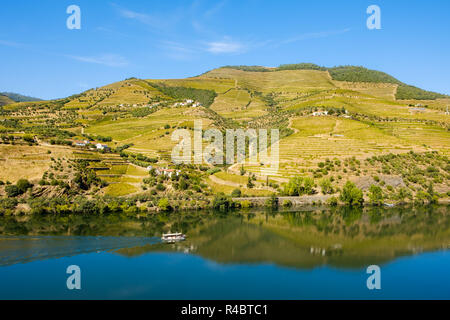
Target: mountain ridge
(17,97)
(352,73)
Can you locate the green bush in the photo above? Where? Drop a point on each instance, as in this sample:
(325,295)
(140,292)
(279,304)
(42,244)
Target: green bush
(222,201)
(23,185)
(236,193)
(352,195)
(376,195)
(298,186)
(333,201)
(272,202)
(287,203)
(164,204)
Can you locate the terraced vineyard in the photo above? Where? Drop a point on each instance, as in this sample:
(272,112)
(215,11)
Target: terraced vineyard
(326,117)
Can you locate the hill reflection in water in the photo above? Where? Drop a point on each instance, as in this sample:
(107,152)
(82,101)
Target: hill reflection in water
(340,237)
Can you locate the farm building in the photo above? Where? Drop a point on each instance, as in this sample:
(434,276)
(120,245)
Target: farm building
(102,147)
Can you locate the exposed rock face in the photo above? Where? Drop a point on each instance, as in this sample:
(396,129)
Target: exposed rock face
(48,191)
(364,183)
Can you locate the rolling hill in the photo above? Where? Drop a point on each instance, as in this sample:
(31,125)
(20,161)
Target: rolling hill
(4,100)
(354,74)
(18,97)
(335,123)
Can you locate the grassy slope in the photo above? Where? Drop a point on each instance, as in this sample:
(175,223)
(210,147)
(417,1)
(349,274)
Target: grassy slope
(18,97)
(243,96)
(4,100)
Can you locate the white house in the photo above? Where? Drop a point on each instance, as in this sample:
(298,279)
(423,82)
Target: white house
(320,113)
(167,172)
(100,146)
(82,143)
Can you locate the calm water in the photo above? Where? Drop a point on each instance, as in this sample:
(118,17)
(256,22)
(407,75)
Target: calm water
(308,254)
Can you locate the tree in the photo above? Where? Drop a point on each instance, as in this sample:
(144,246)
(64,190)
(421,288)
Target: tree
(298,186)
(12,191)
(28,138)
(375,195)
(23,185)
(222,202)
(182,185)
(333,201)
(432,197)
(164,205)
(352,195)
(326,186)
(272,202)
(236,193)
(250,183)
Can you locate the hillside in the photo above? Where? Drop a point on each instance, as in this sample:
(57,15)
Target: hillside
(336,125)
(4,100)
(354,74)
(18,97)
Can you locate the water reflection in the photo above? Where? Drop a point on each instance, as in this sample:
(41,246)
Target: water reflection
(341,237)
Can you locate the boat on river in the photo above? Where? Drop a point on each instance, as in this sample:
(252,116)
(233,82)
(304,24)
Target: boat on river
(173,237)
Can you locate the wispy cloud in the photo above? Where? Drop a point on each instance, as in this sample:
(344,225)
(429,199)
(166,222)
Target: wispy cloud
(141,17)
(215,9)
(314,35)
(183,51)
(225,46)
(157,22)
(110,60)
(11,44)
(178,51)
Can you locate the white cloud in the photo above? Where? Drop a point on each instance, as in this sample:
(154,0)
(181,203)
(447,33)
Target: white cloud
(225,46)
(110,60)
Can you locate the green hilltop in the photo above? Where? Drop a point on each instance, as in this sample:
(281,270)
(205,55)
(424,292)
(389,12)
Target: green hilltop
(354,74)
(335,125)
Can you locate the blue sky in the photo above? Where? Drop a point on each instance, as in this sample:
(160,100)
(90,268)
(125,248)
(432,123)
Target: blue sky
(175,39)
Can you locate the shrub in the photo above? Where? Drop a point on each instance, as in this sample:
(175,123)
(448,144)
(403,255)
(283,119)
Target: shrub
(375,195)
(8,203)
(213,171)
(352,195)
(160,187)
(222,202)
(333,201)
(287,203)
(246,204)
(236,193)
(164,205)
(326,186)
(12,191)
(298,186)
(272,202)
(23,185)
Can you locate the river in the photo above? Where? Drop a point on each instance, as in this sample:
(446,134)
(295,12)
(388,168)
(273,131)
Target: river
(309,253)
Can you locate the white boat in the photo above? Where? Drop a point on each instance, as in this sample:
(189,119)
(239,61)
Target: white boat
(173,237)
